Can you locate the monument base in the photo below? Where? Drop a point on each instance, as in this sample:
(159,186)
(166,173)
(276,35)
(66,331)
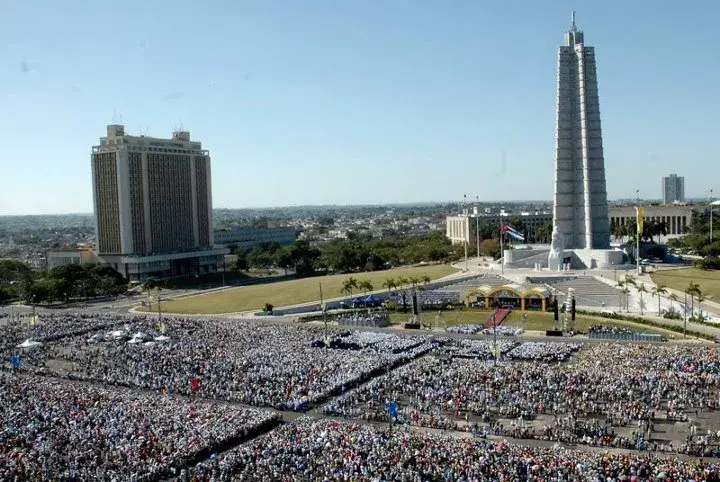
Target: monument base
(577,258)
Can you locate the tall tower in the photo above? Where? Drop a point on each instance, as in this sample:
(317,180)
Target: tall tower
(153,205)
(580,211)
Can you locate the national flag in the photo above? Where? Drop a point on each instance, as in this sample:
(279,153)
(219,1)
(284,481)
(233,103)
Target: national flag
(33,320)
(195,384)
(161,327)
(510,231)
(15,361)
(640,219)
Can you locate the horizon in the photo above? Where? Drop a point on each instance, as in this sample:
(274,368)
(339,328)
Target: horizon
(354,104)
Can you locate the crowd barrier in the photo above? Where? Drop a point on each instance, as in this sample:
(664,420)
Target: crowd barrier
(626,336)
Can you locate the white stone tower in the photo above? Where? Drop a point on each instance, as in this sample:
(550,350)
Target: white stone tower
(580,211)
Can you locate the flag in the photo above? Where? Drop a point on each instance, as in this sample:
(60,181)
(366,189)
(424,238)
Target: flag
(640,219)
(15,361)
(33,320)
(507,229)
(161,327)
(195,384)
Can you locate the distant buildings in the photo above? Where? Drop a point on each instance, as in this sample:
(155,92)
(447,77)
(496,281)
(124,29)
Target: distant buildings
(153,205)
(676,218)
(247,237)
(580,206)
(68,256)
(673,189)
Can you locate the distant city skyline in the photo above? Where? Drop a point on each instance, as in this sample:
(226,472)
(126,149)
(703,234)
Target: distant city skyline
(327,103)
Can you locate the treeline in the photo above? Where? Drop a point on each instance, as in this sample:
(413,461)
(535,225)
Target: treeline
(19,281)
(698,241)
(356,253)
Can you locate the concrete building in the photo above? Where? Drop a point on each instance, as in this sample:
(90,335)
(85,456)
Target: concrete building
(63,257)
(580,209)
(462,227)
(676,218)
(673,189)
(247,237)
(153,205)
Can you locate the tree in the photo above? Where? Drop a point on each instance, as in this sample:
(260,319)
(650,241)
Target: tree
(692,289)
(641,289)
(402,281)
(349,285)
(490,247)
(390,284)
(673,298)
(268,308)
(625,291)
(365,286)
(241,261)
(659,290)
(425,279)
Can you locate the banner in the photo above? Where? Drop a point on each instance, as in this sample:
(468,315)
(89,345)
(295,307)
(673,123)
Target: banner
(640,219)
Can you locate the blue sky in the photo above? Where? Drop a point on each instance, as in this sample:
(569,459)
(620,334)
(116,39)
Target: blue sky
(346,102)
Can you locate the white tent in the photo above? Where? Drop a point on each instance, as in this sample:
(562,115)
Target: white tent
(29,344)
(117,334)
(135,341)
(162,338)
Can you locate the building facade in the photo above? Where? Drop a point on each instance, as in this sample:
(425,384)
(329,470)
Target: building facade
(580,199)
(64,257)
(462,228)
(153,205)
(673,189)
(677,218)
(247,237)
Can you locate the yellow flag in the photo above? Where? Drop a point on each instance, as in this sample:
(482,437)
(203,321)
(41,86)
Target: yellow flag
(33,320)
(640,219)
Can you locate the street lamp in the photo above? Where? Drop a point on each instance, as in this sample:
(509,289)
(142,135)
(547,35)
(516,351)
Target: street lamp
(711,216)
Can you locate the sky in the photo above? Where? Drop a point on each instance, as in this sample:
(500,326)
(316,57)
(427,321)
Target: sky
(353,102)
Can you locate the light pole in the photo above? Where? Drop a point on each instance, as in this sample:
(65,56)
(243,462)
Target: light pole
(711,216)
(466,234)
(477,225)
(639,223)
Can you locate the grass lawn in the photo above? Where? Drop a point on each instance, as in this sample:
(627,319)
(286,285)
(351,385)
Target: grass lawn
(284,293)
(679,279)
(536,321)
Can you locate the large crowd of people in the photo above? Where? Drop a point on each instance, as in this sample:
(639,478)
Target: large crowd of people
(618,385)
(328,450)
(272,365)
(118,397)
(57,430)
(377,319)
(476,329)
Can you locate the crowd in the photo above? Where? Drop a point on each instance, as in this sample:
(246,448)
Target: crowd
(606,386)
(376,319)
(426,299)
(327,450)
(512,350)
(251,362)
(615,330)
(480,329)
(56,430)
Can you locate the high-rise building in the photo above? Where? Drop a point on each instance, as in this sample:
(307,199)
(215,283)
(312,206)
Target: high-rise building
(580,211)
(153,205)
(673,189)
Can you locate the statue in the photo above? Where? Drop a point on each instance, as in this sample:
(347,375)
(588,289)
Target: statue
(555,258)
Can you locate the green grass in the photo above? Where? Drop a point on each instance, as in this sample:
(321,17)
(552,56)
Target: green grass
(284,293)
(679,279)
(536,321)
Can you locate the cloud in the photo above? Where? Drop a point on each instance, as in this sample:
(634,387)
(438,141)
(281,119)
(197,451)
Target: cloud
(174,96)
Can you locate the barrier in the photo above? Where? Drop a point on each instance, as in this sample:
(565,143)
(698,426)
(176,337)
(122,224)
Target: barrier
(626,336)
(553,333)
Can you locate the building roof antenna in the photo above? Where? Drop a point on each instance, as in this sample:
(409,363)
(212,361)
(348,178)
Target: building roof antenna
(574,27)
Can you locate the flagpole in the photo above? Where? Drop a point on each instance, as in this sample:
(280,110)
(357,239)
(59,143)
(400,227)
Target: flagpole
(502,252)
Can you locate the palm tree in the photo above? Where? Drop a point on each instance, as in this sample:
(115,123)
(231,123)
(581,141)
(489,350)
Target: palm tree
(349,285)
(389,283)
(625,291)
(402,281)
(425,279)
(365,286)
(659,290)
(673,298)
(630,280)
(700,299)
(414,281)
(641,289)
(692,290)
